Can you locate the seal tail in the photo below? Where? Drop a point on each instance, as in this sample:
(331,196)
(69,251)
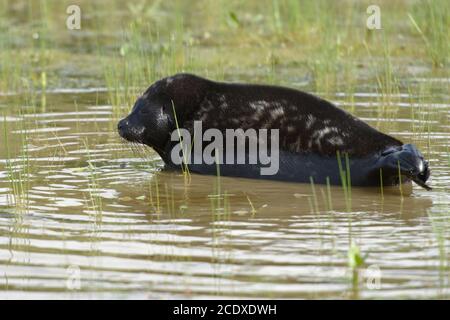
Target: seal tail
(407,161)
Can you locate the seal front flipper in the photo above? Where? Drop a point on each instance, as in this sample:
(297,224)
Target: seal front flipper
(405,161)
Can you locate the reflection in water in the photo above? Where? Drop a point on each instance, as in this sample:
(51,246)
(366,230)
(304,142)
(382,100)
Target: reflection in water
(92,207)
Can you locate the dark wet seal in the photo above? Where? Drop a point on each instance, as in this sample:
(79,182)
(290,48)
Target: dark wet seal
(316,139)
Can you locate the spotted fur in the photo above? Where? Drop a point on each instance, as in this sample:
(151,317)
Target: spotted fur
(307,124)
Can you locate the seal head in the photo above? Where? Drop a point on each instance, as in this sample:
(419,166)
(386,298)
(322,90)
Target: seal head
(156,113)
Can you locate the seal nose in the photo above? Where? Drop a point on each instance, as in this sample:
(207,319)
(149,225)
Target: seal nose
(122,124)
(122,128)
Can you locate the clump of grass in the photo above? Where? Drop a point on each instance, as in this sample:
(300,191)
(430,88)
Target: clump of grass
(315,201)
(355,261)
(345,177)
(253,210)
(387,83)
(440,224)
(381,184)
(43,92)
(400,184)
(431,20)
(18,168)
(154,194)
(95,199)
(220,211)
(146,53)
(326,63)
(185,163)
(216,198)
(329,200)
(326,196)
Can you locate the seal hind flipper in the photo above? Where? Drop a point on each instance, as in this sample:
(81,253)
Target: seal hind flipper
(405,160)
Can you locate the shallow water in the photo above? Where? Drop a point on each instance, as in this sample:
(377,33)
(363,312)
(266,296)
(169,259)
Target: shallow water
(85,215)
(96,209)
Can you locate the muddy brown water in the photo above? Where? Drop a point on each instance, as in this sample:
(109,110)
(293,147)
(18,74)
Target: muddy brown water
(93,219)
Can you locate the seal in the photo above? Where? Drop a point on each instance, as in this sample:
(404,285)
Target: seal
(316,139)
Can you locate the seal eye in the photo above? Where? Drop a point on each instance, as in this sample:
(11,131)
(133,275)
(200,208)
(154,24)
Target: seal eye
(144,111)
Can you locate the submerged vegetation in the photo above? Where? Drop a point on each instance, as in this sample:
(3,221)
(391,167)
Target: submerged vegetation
(62,92)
